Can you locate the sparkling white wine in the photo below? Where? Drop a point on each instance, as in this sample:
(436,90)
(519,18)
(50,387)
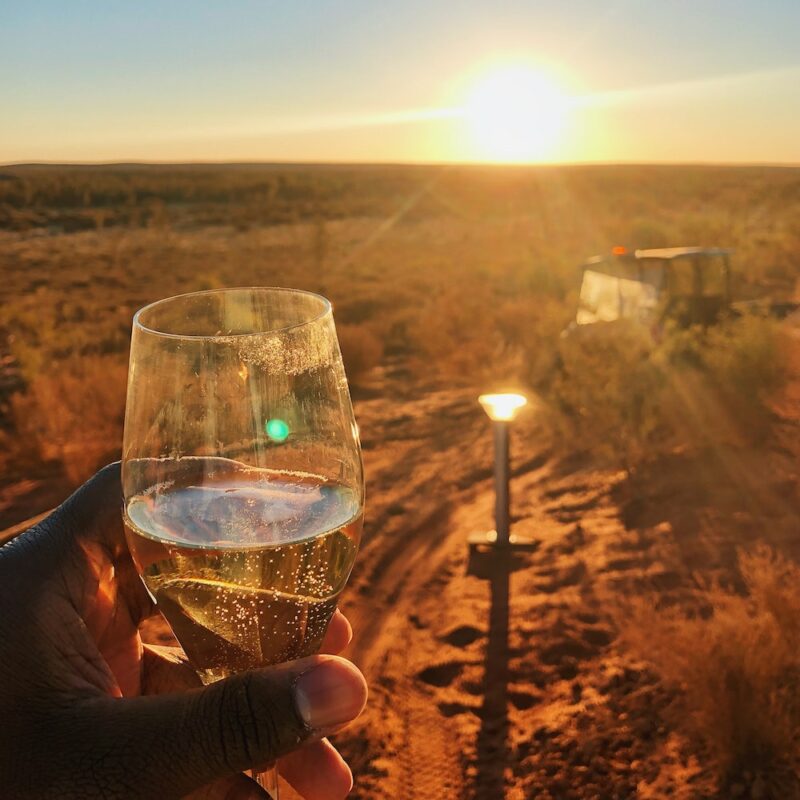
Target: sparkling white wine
(246,565)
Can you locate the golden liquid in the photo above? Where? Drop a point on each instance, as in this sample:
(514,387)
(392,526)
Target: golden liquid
(246,566)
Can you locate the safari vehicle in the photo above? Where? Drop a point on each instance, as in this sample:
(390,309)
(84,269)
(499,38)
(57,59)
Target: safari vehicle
(688,284)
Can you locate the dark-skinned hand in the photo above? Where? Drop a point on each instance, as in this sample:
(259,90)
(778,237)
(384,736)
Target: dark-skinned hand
(87,711)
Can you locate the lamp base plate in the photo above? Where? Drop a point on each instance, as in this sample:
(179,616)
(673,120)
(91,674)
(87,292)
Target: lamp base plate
(488,541)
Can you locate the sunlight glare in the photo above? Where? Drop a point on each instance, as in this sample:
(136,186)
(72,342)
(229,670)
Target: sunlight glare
(515,114)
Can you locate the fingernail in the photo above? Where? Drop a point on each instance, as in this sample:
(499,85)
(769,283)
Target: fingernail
(330,694)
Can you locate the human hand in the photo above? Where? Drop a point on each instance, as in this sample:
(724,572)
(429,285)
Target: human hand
(88,712)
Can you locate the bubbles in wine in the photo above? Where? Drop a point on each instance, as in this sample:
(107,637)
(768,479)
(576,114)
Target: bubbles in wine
(246,565)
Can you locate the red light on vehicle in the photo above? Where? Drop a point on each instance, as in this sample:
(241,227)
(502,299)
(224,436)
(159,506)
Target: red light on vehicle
(619,250)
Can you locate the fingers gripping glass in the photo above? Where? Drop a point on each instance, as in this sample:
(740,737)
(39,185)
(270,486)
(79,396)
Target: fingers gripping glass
(242,474)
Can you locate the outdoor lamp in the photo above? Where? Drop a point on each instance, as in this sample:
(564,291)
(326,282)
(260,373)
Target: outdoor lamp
(502,409)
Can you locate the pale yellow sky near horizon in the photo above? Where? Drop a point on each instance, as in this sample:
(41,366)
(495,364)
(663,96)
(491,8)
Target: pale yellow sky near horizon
(652,124)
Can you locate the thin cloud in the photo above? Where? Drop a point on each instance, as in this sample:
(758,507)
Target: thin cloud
(694,85)
(353,120)
(317,124)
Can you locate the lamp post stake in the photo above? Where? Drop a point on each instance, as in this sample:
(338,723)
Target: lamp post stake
(501,512)
(501,410)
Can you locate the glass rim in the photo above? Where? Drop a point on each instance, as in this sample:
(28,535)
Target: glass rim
(326,308)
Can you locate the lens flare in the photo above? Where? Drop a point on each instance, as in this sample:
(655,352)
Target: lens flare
(277,430)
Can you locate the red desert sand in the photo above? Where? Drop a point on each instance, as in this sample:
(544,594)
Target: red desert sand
(495,678)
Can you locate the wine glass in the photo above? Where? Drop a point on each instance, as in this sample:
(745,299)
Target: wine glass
(242,477)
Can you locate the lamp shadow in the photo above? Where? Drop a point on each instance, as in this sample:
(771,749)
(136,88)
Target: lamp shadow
(492,751)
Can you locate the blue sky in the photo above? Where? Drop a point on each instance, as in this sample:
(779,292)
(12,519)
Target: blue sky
(672,80)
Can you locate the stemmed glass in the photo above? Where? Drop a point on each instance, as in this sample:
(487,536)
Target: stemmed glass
(242,476)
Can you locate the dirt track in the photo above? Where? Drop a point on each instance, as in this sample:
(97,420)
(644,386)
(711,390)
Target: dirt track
(446,647)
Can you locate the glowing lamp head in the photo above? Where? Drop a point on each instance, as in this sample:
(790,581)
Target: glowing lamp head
(502,407)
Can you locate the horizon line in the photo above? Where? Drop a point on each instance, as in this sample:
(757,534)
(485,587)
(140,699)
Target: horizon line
(347,163)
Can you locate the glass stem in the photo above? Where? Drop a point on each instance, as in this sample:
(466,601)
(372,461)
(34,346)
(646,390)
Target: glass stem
(267,780)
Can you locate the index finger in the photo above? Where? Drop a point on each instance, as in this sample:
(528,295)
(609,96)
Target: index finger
(338,635)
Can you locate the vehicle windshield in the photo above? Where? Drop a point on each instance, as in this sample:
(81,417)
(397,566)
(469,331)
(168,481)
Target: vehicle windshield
(697,276)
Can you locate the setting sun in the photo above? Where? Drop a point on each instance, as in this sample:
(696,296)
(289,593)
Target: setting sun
(515,113)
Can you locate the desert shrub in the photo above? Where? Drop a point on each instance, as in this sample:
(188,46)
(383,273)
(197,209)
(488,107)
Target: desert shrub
(624,397)
(471,334)
(46,327)
(645,233)
(742,361)
(16,459)
(361,350)
(736,671)
(606,391)
(746,359)
(34,333)
(73,414)
(455,336)
(534,325)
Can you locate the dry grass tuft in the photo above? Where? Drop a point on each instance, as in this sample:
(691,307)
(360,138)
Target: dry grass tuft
(74,414)
(746,359)
(456,332)
(737,672)
(727,373)
(626,398)
(607,392)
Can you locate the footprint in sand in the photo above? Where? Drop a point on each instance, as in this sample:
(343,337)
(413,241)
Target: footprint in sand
(567,648)
(572,512)
(597,637)
(463,636)
(625,564)
(453,709)
(522,701)
(441,675)
(560,491)
(553,579)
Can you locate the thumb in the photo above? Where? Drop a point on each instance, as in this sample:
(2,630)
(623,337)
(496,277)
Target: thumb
(167,745)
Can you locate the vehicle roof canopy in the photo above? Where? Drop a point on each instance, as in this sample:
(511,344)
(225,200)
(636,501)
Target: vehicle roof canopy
(630,264)
(668,253)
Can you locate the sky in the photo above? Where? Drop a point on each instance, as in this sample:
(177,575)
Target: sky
(411,81)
